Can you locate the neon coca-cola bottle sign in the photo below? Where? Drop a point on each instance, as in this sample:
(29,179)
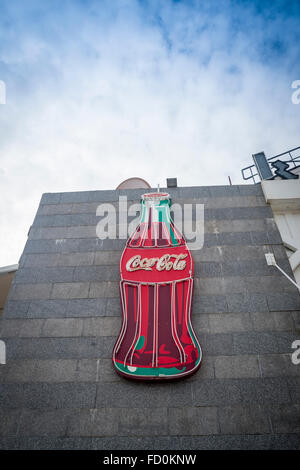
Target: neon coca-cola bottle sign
(157,340)
(164,262)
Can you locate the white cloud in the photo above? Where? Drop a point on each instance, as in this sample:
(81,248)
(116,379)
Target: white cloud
(101,94)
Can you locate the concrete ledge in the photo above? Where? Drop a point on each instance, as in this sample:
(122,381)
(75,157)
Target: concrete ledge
(282,194)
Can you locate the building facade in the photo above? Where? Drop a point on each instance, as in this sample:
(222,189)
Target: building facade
(58,389)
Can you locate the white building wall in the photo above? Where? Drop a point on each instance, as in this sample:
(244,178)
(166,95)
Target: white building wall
(284,198)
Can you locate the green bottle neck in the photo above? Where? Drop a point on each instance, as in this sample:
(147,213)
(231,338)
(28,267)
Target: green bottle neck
(155,211)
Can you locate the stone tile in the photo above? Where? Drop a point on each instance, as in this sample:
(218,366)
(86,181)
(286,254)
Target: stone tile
(108,244)
(239,225)
(221,191)
(47,308)
(206,370)
(248,252)
(3,372)
(106,372)
(21,328)
(286,418)
(108,195)
(263,284)
(31,370)
(101,326)
(96,273)
(247,268)
(59,370)
(44,422)
(40,259)
(296,317)
(247,303)
(113,307)
(93,422)
(241,419)
(74,290)
(78,196)
(11,395)
(234,213)
(107,257)
(284,340)
(279,252)
(259,238)
(234,238)
(140,395)
(216,344)
(215,392)
(235,284)
(195,192)
(87,307)
(64,327)
(16,309)
(234,367)
(264,390)
(254,343)
(283,302)
(84,208)
(193,421)
(9,328)
(208,269)
(294,388)
(9,422)
(87,370)
(58,246)
(229,322)
(30,328)
(250,189)
(209,285)
(210,240)
(212,442)
(50,198)
(75,259)
(38,233)
(45,274)
(226,202)
(77,220)
(53,209)
(59,395)
(85,231)
(274,237)
(20,371)
(210,304)
(96,370)
(201,323)
(143,421)
(106,289)
(30,291)
(212,253)
(59,348)
(276,365)
(44,220)
(272,321)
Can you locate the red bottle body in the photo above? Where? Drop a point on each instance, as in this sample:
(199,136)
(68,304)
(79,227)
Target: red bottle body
(157,340)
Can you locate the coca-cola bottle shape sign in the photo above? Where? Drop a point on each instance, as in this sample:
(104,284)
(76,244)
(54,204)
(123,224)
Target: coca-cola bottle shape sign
(157,340)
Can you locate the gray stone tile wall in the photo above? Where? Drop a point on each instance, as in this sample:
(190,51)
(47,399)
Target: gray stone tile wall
(58,389)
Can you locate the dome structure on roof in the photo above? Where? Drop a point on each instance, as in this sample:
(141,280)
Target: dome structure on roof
(134,183)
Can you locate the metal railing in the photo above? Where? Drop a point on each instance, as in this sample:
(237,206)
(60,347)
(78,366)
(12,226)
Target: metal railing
(287,157)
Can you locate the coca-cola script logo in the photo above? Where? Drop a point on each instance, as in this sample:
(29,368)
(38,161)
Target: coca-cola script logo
(164,263)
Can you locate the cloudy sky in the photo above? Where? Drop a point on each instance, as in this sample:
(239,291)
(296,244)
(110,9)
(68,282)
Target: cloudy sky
(98,91)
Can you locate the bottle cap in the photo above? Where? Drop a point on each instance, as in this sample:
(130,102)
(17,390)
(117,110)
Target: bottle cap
(155,196)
